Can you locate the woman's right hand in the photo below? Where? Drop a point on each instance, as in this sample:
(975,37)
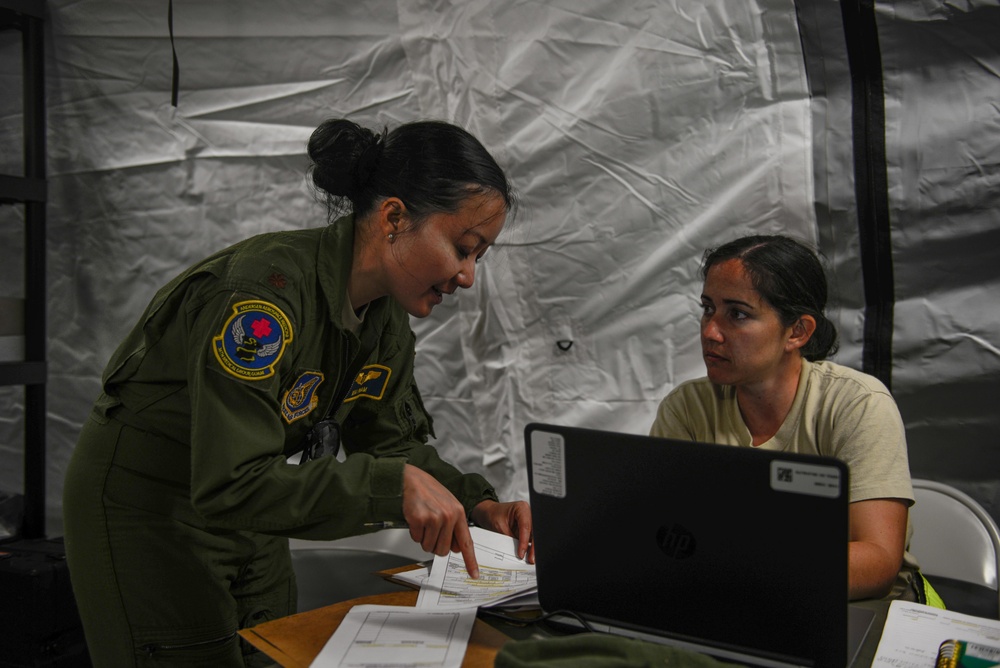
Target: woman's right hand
(436,518)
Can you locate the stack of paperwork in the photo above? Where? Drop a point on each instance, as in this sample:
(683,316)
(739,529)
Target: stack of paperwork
(505,581)
(436,631)
(913,633)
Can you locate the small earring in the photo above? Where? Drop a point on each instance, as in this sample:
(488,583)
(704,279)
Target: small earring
(392,237)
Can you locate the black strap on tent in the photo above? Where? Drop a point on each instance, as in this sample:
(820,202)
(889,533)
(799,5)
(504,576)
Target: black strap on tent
(871,184)
(175,82)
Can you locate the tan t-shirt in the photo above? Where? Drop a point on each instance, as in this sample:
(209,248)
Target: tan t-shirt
(837,412)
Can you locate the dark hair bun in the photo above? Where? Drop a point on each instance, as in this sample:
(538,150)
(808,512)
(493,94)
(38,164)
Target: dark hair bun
(430,166)
(344,155)
(823,343)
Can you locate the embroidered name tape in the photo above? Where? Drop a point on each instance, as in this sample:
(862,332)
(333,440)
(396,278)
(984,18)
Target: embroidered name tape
(369,383)
(300,399)
(252,340)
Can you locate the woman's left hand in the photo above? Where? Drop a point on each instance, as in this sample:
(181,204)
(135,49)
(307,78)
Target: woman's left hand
(513,519)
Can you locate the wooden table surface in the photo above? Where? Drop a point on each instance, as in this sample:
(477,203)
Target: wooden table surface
(294,641)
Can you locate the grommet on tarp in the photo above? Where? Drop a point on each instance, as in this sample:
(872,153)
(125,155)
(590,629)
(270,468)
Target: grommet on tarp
(564,344)
(175,81)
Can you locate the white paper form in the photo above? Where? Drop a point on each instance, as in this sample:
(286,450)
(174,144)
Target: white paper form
(414,578)
(502,575)
(913,632)
(383,636)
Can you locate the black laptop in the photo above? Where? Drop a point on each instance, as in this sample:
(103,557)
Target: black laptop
(737,553)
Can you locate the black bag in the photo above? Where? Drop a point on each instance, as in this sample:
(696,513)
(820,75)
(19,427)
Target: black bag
(39,623)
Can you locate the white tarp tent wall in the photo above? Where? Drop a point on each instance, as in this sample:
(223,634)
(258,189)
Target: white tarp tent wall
(638,134)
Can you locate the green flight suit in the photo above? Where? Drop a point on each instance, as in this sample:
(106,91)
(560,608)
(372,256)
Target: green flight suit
(179,497)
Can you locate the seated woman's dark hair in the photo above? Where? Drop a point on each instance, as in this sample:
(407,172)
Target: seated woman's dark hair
(788,275)
(432,166)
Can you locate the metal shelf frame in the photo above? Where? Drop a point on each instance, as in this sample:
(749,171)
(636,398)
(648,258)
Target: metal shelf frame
(30,190)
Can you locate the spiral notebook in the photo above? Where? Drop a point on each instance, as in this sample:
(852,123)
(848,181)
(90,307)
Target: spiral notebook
(737,553)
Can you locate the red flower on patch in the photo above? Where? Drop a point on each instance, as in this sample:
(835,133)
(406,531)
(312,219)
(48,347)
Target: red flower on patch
(277,280)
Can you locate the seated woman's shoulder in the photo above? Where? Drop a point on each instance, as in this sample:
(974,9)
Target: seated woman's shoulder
(833,374)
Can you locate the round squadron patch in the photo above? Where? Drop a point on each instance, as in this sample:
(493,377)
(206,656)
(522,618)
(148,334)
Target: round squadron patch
(252,340)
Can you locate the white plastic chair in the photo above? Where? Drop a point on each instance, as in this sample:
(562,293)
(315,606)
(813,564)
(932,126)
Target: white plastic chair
(954,537)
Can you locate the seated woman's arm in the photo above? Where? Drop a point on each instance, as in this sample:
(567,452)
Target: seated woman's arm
(875,551)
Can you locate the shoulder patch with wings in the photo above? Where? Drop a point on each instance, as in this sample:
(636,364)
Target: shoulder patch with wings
(252,340)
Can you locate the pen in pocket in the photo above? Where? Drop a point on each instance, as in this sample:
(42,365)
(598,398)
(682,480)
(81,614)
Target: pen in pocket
(386,525)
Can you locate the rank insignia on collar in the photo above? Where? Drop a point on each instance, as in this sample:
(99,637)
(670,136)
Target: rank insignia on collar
(301,399)
(252,340)
(370,383)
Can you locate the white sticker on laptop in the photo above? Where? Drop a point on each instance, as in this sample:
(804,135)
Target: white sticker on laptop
(799,478)
(548,463)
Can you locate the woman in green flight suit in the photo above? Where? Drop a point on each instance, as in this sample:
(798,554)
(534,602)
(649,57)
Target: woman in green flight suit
(180,496)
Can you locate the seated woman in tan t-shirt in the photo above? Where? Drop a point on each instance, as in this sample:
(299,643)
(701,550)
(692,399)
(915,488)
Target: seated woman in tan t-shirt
(764,339)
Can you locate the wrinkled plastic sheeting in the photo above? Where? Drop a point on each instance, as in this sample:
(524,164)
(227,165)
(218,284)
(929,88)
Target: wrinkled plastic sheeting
(638,139)
(638,134)
(941,65)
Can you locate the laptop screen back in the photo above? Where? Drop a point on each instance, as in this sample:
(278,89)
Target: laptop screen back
(730,547)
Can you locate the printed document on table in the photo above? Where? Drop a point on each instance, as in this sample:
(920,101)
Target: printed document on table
(502,575)
(913,632)
(378,636)
(414,578)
